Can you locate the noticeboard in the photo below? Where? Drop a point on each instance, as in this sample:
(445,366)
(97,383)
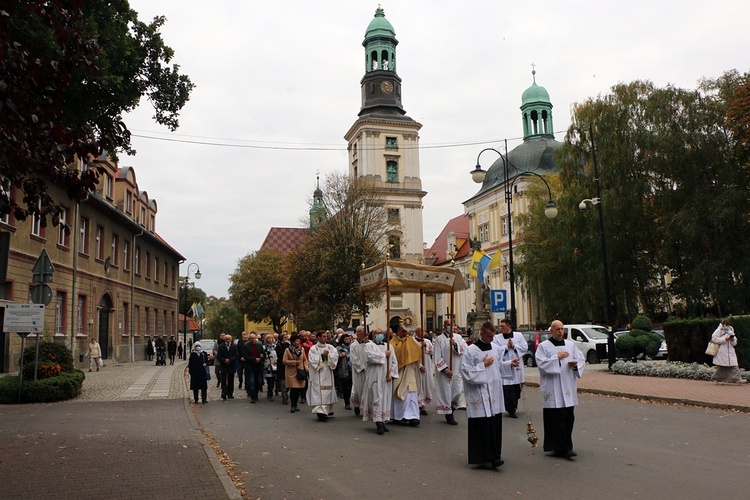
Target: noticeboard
(24,318)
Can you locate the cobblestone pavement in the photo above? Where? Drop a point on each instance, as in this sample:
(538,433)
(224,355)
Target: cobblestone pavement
(131,434)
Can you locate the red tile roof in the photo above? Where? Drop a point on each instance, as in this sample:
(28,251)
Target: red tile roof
(436,254)
(285,239)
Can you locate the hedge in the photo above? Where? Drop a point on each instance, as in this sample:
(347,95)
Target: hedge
(687,339)
(65,386)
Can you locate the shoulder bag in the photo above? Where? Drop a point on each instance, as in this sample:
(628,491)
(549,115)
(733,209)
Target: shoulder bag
(712,348)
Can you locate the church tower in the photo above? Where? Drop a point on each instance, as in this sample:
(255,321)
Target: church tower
(318,213)
(383,148)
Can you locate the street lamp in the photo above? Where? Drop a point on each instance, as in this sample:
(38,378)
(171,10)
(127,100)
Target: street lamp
(550,211)
(185,279)
(607,296)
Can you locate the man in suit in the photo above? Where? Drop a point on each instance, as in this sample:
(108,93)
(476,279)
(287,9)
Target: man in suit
(253,356)
(226,357)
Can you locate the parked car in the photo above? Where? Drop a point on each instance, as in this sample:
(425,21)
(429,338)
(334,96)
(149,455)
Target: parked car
(590,339)
(533,339)
(209,347)
(663,353)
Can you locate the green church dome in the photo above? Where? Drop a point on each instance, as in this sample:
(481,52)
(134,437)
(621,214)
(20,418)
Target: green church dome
(379,27)
(535,93)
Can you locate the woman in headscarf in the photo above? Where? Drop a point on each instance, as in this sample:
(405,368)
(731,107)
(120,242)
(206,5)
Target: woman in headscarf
(198,373)
(725,359)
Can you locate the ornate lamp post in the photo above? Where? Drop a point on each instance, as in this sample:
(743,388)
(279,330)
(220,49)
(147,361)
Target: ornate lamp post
(550,211)
(185,280)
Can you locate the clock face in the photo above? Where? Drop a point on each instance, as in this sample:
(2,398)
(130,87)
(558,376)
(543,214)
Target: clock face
(386,87)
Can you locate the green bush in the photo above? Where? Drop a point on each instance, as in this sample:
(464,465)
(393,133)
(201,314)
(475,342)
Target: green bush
(637,344)
(54,359)
(65,386)
(687,339)
(642,323)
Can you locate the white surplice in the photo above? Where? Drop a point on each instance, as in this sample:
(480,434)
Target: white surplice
(321,393)
(448,390)
(483,385)
(377,394)
(520,348)
(557,380)
(427,385)
(359,362)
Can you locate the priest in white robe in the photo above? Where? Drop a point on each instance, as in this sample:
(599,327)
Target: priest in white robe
(406,387)
(381,369)
(560,364)
(359,363)
(321,393)
(427,382)
(483,371)
(517,348)
(449,347)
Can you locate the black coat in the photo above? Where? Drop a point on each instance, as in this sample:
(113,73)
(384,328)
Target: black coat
(247,353)
(197,371)
(171,347)
(224,353)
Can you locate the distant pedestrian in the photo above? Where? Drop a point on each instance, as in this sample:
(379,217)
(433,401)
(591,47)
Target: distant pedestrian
(150,349)
(270,364)
(94,355)
(725,359)
(198,369)
(240,360)
(171,349)
(253,356)
(560,365)
(344,369)
(281,348)
(180,350)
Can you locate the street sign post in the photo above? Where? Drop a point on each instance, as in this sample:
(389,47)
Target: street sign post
(498,301)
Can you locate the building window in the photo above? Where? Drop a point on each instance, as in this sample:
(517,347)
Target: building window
(63,236)
(81,315)
(504,225)
(174,277)
(152,223)
(397,300)
(164,323)
(126,317)
(137,257)
(129,202)
(391,143)
(137,319)
(83,236)
(148,265)
(99,242)
(36,224)
(143,217)
(126,254)
(147,330)
(484,233)
(394,247)
(108,186)
(394,216)
(391,170)
(115,250)
(156,322)
(156,269)
(166,274)
(60,312)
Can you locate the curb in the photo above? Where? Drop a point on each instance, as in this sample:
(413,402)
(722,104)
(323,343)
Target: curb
(657,399)
(229,487)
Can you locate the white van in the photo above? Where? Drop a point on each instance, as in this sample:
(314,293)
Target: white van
(590,339)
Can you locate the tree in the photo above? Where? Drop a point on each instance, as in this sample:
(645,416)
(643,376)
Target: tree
(192,295)
(255,288)
(321,282)
(223,318)
(69,70)
(674,175)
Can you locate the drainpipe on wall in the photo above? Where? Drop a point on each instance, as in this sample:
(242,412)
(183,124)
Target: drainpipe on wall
(132,296)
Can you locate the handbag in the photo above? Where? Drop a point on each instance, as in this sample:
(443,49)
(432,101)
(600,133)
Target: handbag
(208,373)
(301,374)
(712,348)
(100,363)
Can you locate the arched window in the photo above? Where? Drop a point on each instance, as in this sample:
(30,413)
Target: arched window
(391,169)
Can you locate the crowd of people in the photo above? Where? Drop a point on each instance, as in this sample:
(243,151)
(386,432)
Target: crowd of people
(393,378)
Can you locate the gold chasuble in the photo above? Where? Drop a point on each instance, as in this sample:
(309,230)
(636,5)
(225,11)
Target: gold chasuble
(409,355)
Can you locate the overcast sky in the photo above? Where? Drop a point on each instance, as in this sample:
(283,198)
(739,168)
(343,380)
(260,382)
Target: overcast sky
(278,86)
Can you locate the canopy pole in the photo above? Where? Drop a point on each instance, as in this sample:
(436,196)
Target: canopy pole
(450,336)
(364,313)
(422,321)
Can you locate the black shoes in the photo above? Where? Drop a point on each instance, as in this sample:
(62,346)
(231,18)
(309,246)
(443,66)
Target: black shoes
(422,411)
(224,397)
(565,454)
(381,428)
(414,422)
(322,417)
(356,410)
(497,463)
(512,415)
(348,407)
(451,421)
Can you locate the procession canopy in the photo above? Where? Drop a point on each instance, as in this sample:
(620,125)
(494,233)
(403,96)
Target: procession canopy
(406,277)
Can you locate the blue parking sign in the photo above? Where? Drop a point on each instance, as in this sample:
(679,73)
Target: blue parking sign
(498,300)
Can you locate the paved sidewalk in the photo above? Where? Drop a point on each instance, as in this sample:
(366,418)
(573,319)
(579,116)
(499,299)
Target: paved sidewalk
(131,434)
(597,380)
